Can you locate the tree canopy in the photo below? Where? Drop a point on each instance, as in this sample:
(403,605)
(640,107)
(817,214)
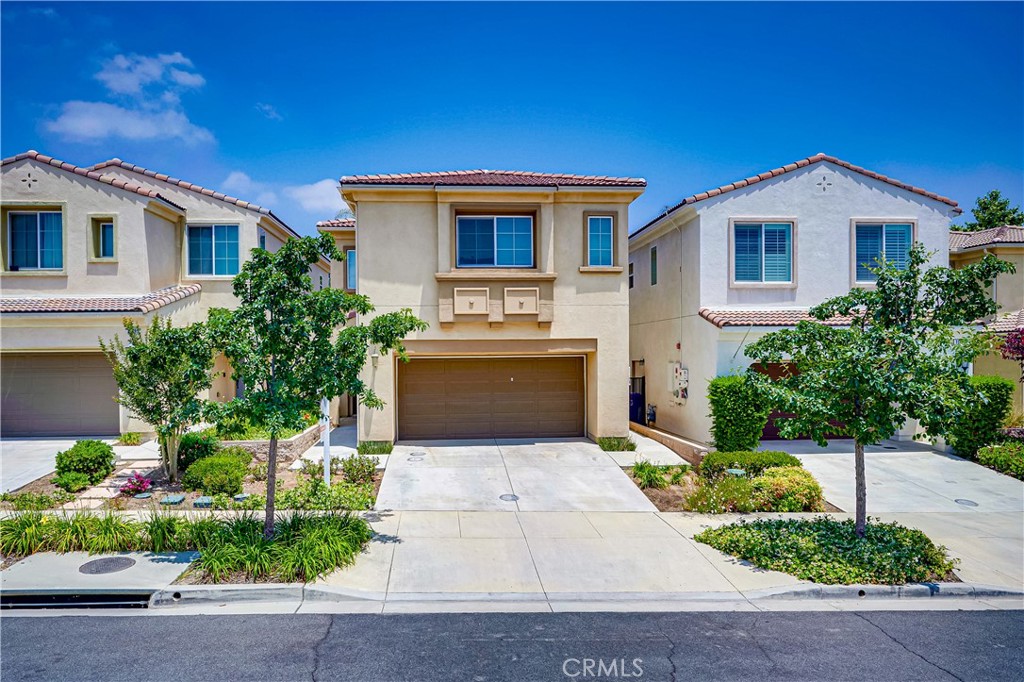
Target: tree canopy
(992,210)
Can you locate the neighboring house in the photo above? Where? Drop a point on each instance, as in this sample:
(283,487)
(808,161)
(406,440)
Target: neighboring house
(723,267)
(343,276)
(521,277)
(83,248)
(1006,243)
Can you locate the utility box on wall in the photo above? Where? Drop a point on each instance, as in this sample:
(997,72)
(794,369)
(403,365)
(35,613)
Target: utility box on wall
(678,382)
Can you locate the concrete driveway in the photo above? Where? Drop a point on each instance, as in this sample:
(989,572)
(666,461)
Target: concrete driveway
(473,475)
(23,460)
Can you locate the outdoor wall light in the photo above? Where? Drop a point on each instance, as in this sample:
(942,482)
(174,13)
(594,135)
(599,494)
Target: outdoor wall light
(374,357)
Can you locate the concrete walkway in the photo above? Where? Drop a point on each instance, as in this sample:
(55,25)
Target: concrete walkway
(513,475)
(23,460)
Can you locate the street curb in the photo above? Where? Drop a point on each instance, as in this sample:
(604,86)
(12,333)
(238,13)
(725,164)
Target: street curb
(176,595)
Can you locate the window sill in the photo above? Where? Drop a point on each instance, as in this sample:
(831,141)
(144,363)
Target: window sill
(494,274)
(35,273)
(210,278)
(102,261)
(602,269)
(762,285)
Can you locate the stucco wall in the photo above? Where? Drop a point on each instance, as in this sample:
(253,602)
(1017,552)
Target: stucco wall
(403,241)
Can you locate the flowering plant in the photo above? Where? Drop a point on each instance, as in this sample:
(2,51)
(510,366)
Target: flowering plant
(1013,348)
(136,484)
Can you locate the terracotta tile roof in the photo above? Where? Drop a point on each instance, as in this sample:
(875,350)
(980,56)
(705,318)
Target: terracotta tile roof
(349,223)
(1007,322)
(145,303)
(788,168)
(763,317)
(1007,234)
(192,187)
(495,178)
(92,174)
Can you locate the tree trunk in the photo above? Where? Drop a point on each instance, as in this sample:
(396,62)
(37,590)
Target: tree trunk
(173,445)
(268,521)
(861,485)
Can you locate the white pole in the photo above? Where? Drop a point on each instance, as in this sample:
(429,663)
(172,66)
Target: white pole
(325,422)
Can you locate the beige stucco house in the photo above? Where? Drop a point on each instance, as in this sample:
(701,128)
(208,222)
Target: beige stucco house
(83,248)
(1006,243)
(521,278)
(723,267)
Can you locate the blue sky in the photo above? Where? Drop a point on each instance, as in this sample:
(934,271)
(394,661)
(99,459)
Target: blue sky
(274,102)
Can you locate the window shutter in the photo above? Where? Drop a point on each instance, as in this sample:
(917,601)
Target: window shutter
(747,253)
(868,248)
(897,244)
(778,251)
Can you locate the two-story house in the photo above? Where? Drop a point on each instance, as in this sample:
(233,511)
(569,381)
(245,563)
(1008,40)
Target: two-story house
(521,278)
(1006,243)
(83,248)
(721,268)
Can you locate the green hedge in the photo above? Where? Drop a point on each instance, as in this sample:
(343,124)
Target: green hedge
(787,489)
(738,413)
(714,464)
(1007,458)
(195,446)
(216,474)
(983,423)
(93,459)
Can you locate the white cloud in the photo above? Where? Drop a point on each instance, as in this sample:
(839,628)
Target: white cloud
(320,197)
(93,121)
(244,187)
(146,93)
(269,111)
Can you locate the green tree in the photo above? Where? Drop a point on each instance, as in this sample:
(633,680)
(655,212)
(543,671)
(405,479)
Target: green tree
(290,345)
(992,210)
(901,357)
(160,374)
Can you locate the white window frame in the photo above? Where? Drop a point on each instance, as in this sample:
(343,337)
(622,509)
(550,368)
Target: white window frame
(854,222)
(610,217)
(763,284)
(39,258)
(494,221)
(188,248)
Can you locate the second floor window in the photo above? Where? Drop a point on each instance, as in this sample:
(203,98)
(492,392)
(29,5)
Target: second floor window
(350,269)
(763,252)
(654,265)
(600,240)
(213,250)
(630,275)
(494,241)
(106,240)
(873,240)
(36,240)
(263,239)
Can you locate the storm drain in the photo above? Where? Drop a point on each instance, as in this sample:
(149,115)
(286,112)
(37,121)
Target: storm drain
(75,600)
(965,502)
(508,497)
(106,565)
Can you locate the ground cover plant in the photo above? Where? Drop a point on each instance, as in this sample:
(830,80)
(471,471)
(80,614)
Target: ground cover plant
(616,444)
(715,464)
(32,501)
(375,447)
(648,475)
(1007,458)
(301,548)
(130,438)
(829,551)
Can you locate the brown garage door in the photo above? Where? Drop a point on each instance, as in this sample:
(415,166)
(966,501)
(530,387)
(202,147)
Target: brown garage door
(490,398)
(57,395)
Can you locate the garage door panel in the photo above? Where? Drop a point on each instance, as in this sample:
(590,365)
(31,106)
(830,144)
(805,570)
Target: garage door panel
(491,398)
(57,394)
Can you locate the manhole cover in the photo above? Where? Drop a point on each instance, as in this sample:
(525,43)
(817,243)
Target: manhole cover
(107,565)
(889,447)
(508,497)
(966,503)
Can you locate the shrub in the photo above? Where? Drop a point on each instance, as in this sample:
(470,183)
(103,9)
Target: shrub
(71,481)
(239,453)
(738,413)
(359,469)
(616,444)
(216,474)
(35,501)
(196,445)
(982,424)
(714,464)
(131,438)
(1007,458)
(93,458)
(375,447)
(259,471)
(722,497)
(313,494)
(648,475)
(825,550)
(136,484)
(787,489)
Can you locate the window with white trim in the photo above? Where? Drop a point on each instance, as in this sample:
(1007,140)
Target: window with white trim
(872,241)
(213,250)
(35,240)
(600,240)
(762,252)
(351,274)
(494,241)
(263,239)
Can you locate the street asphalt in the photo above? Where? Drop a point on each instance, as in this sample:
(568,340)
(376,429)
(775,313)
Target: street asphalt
(876,646)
